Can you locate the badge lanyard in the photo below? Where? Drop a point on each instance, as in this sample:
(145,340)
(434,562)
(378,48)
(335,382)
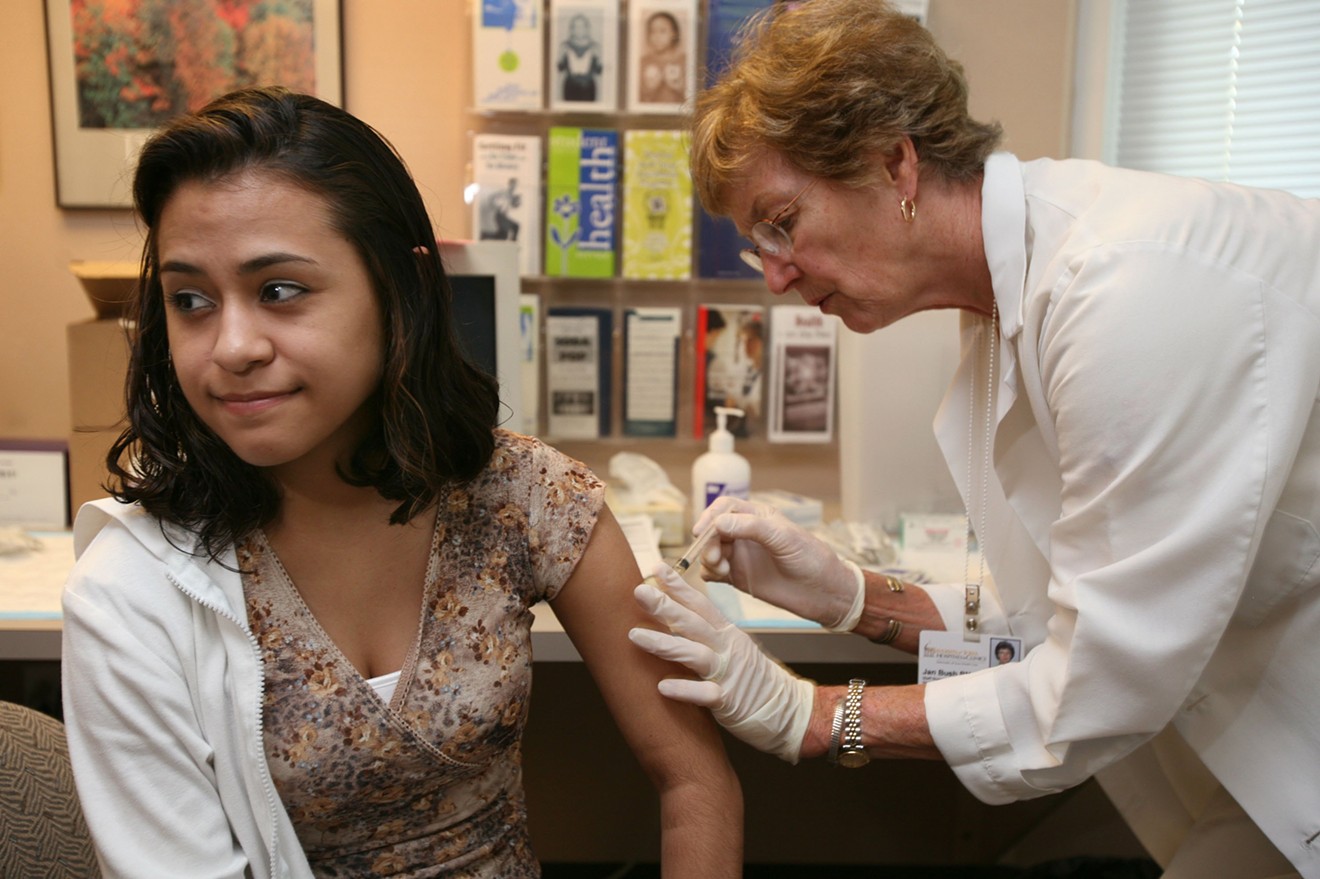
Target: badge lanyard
(947,654)
(972,595)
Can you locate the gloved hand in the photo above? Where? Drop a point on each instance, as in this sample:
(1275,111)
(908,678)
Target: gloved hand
(750,694)
(764,554)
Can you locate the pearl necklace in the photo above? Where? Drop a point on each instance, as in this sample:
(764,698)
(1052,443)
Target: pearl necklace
(972,596)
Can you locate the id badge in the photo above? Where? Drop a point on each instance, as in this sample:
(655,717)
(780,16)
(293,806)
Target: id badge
(948,654)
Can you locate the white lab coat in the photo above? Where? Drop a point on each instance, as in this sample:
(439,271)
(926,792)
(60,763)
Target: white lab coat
(1152,507)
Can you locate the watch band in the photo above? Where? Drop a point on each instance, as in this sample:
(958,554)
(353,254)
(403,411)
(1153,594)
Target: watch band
(850,751)
(836,730)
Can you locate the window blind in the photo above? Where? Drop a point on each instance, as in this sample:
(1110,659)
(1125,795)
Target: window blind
(1220,89)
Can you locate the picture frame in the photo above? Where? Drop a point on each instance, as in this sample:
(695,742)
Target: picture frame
(117,74)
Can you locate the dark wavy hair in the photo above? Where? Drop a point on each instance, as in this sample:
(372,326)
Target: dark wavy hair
(437,409)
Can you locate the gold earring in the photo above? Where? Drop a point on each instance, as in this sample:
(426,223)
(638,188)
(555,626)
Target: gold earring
(908,208)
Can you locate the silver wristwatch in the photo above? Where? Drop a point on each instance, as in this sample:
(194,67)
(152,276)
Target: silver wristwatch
(846,734)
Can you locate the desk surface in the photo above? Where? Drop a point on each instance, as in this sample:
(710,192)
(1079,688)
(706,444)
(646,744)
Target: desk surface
(30,629)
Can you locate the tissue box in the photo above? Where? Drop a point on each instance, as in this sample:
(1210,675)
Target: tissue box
(800,509)
(667,516)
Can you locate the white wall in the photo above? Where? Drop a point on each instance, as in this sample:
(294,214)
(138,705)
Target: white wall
(1019,60)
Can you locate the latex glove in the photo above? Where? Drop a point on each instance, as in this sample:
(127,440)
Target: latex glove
(763,553)
(750,694)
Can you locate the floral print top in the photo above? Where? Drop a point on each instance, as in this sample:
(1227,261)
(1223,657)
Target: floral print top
(430,784)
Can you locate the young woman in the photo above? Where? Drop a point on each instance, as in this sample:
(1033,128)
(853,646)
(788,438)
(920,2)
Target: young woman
(297,641)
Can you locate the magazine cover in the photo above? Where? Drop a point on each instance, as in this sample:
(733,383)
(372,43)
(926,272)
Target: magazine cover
(583,62)
(581,199)
(577,372)
(657,206)
(730,346)
(506,200)
(662,68)
(507,54)
(650,371)
(803,358)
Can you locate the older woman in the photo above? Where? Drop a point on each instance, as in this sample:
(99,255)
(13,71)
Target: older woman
(1133,430)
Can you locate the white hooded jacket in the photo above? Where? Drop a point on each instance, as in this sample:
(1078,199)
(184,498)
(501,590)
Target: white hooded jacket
(169,673)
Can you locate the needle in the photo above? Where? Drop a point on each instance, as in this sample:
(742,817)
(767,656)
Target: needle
(694,550)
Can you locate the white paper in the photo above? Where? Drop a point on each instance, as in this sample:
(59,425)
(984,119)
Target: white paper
(803,366)
(34,579)
(33,489)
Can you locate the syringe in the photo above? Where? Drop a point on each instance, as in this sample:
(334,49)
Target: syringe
(690,556)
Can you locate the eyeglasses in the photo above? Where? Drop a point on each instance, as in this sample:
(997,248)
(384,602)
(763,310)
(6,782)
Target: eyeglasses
(770,237)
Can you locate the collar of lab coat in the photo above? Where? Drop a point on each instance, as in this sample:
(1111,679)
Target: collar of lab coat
(1003,230)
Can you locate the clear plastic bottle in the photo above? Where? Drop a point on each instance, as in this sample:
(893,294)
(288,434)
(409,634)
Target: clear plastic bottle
(720,470)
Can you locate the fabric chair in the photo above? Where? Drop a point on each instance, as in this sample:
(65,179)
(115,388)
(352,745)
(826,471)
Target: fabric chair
(42,832)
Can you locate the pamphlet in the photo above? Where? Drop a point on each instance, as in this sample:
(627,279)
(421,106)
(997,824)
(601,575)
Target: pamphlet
(583,64)
(577,375)
(729,361)
(662,69)
(718,241)
(506,200)
(507,54)
(657,211)
(581,200)
(650,371)
(803,358)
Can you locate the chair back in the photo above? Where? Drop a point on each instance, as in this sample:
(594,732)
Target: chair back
(42,831)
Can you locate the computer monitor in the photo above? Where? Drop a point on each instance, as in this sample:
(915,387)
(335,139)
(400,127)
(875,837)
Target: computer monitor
(484,276)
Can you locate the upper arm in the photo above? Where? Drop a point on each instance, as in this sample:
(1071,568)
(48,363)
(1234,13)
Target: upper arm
(596,608)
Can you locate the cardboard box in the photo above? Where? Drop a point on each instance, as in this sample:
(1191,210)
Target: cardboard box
(98,362)
(108,285)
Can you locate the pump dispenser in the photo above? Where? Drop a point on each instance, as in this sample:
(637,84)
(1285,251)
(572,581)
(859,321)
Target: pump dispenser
(720,470)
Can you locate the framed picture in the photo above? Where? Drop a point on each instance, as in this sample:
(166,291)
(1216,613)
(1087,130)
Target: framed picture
(662,69)
(121,68)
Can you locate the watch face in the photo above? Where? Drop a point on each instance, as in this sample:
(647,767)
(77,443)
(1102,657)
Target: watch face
(854,759)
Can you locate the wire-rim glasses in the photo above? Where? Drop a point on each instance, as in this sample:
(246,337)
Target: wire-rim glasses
(770,237)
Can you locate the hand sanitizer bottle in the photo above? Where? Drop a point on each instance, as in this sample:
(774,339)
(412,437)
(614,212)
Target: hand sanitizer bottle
(720,470)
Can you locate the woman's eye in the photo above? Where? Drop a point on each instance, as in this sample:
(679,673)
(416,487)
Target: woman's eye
(188,300)
(281,291)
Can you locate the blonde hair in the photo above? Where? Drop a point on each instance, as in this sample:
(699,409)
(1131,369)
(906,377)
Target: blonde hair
(831,85)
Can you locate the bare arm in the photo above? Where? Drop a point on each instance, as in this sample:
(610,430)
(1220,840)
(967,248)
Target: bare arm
(678,745)
(911,607)
(893,723)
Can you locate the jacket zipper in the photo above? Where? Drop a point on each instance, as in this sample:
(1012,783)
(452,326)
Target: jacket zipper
(266,784)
